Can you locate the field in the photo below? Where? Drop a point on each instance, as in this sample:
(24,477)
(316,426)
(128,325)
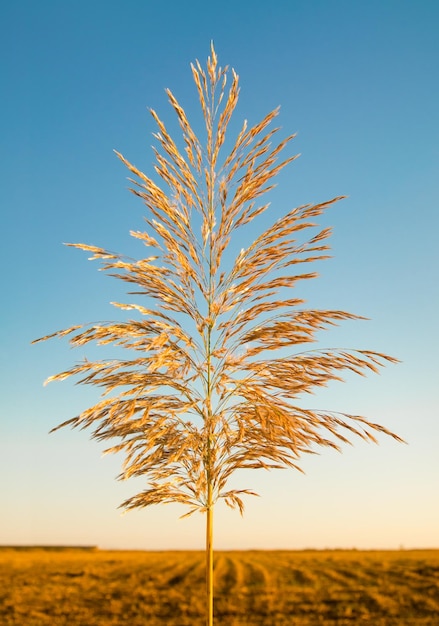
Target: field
(40,587)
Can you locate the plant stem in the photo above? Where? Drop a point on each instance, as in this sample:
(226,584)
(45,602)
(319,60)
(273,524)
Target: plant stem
(209,417)
(209,503)
(209,559)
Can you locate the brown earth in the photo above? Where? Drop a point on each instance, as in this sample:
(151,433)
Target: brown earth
(81,587)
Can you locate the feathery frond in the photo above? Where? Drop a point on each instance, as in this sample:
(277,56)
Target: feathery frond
(220,367)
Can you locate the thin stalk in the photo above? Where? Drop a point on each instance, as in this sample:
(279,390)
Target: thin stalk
(209,417)
(209,557)
(209,503)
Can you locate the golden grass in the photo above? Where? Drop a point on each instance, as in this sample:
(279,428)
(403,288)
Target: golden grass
(205,390)
(270,588)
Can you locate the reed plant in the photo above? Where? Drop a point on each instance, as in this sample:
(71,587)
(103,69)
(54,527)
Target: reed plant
(218,360)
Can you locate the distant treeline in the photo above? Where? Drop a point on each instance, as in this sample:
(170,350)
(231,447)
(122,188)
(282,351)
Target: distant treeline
(51,548)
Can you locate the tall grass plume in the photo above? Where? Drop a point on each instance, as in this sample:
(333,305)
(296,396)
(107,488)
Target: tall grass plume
(218,359)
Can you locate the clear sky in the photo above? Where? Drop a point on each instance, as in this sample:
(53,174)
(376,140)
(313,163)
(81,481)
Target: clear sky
(358,82)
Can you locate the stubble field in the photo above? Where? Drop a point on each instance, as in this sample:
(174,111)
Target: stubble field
(40,587)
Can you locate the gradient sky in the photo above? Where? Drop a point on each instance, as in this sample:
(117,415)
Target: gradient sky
(358,82)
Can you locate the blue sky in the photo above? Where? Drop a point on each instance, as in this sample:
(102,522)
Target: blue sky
(358,82)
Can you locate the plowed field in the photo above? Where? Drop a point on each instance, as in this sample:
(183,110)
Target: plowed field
(271,588)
